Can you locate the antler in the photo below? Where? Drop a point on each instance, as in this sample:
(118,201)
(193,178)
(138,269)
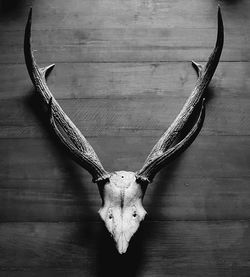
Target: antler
(78,146)
(161,152)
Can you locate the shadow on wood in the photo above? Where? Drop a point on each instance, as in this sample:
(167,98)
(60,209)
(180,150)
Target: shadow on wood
(170,171)
(75,183)
(231,2)
(12,7)
(111,263)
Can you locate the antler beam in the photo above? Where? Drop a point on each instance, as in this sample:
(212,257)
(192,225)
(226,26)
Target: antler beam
(78,146)
(161,152)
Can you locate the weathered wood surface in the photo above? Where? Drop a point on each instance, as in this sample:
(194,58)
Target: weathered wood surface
(116,80)
(73,249)
(123,117)
(123,72)
(171,198)
(73,14)
(44,184)
(118,45)
(106,103)
(198,160)
(135,30)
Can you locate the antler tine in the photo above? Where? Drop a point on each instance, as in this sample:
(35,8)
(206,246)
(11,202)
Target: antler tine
(159,156)
(79,147)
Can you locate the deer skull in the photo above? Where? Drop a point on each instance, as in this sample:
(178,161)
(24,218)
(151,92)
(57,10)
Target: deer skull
(122,209)
(122,191)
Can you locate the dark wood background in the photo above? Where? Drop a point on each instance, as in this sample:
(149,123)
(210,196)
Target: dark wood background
(122,74)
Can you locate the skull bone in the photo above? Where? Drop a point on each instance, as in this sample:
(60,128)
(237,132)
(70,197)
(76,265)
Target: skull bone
(122,209)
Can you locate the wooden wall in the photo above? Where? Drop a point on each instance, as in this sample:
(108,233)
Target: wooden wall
(122,74)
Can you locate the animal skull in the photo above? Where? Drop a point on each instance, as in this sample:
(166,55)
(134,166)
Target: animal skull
(122,209)
(122,191)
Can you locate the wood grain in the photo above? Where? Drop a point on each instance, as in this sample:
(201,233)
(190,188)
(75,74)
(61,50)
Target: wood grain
(39,182)
(148,116)
(123,72)
(72,249)
(75,14)
(128,153)
(76,199)
(80,14)
(117,80)
(135,31)
(139,45)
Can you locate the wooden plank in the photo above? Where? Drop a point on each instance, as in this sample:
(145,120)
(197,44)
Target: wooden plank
(123,32)
(178,248)
(73,14)
(120,81)
(118,45)
(147,116)
(94,80)
(219,156)
(168,198)
(39,182)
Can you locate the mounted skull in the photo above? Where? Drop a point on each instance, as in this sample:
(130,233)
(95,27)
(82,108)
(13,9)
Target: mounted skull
(122,191)
(122,209)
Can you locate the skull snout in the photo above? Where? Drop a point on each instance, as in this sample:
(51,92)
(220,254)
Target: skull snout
(122,243)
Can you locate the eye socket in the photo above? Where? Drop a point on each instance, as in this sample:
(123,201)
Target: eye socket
(110,216)
(134,214)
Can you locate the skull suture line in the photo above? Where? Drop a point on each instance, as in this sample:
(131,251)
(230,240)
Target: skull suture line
(122,191)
